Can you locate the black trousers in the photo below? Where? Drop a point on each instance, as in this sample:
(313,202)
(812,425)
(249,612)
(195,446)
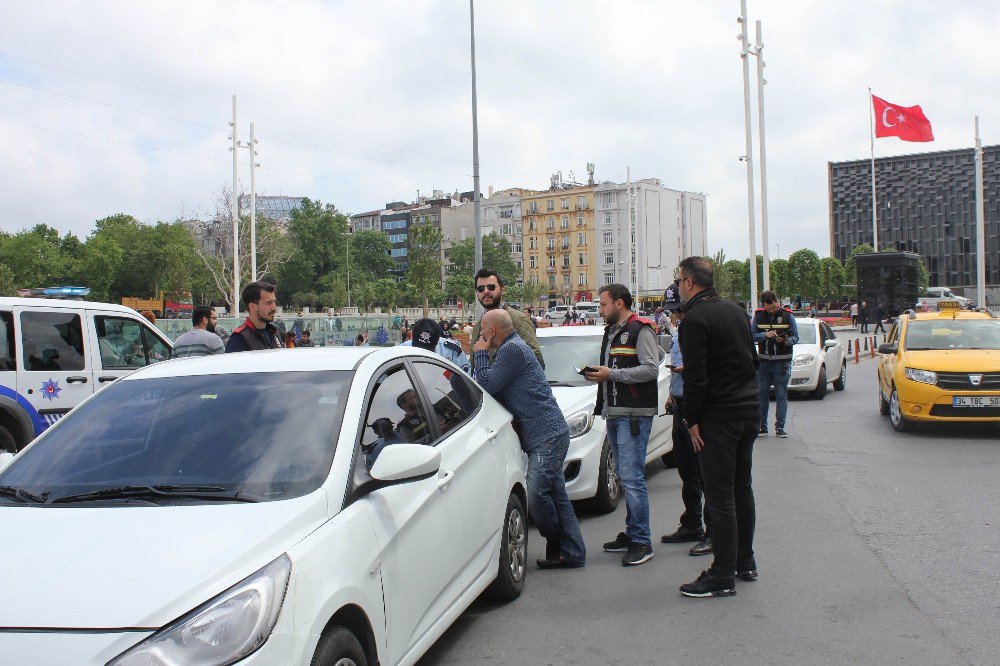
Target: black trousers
(689,469)
(878,326)
(726,462)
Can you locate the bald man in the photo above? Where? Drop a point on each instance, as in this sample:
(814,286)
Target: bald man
(516,379)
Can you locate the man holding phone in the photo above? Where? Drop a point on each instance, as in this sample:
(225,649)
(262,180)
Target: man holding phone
(775,333)
(628,400)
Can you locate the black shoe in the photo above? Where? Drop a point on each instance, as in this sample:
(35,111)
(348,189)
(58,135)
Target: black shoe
(637,554)
(747,573)
(780,432)
(762,431)
(703,547)
(559,562)
(619,545)
(683,535)
(709,585)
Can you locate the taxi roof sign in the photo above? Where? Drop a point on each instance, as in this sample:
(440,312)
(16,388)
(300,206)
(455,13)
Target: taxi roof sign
(949,305)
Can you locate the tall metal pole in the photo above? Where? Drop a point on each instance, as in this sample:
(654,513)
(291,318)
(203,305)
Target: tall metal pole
(478,228)
(763,159)
(744,54)
(349,267)
(253,205)
(871,131)
(236,219)
(980,225)
(629,264)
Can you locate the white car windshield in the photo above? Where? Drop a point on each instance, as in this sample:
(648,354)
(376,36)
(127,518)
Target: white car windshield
(564,353)
(807,334)
(237,437)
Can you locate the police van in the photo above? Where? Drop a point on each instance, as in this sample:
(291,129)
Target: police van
(54,353)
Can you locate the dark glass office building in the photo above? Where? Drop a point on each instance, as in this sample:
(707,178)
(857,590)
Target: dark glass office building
(926,205)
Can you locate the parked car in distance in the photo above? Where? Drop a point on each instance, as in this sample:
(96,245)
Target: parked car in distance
(328,506)
(935,295)
(819,359)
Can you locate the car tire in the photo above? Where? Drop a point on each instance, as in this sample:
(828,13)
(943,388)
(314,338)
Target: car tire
(883,404)
(840,383)
(7,441)
(339,647)
(899,422)
(609,487)
(820,391)
(669,460)
(513,561)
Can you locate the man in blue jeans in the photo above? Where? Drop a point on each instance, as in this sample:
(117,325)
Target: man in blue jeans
(516,379)
(775,333)
(628,399)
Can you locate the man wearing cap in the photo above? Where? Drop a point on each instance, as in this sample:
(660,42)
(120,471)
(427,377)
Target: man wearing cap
(427,335)
(489,293)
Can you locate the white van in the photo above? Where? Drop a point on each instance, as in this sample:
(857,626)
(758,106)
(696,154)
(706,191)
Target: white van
(56,353)
(557,313)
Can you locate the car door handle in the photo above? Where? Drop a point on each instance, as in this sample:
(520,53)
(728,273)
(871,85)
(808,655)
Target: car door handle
(76,380)
(106,379)
(445,479)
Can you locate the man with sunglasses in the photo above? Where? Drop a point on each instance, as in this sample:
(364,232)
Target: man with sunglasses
(489,293)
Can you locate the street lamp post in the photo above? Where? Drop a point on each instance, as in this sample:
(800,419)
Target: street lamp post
(475,142)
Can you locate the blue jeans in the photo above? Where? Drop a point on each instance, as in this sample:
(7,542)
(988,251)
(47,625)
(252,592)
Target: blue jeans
(777,374)
(630,463)
(548,503)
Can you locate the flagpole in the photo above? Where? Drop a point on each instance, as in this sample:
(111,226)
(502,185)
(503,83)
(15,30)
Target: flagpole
(980,225)
(871,132)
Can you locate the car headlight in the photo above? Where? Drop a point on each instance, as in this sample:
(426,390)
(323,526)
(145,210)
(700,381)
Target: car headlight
(803,359)
(221,631)
(580,423)
(922,376)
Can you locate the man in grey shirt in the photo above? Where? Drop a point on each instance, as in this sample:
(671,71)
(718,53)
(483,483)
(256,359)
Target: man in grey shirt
(202,339)
(630,358)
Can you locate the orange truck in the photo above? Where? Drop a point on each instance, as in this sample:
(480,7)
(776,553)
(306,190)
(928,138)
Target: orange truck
(172,306)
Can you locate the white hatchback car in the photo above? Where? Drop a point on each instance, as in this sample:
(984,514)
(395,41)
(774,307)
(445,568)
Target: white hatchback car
(323,506)
(819,359)
(590,464)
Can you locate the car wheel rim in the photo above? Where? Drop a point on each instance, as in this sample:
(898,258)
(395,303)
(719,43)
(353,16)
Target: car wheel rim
(614,483)
(894,409)
(516,545)
(843,375)
(344,661)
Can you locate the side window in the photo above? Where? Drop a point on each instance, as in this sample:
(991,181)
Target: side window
(120,342)
(52,341)
(395,415)
(828,333)
(8,358)
(453,397)
(156,349)
(893,332)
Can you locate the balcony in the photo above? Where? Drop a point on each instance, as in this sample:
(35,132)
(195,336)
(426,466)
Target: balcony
(587,207)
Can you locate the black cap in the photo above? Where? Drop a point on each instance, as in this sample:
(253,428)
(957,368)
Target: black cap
(672,297)
(426,333)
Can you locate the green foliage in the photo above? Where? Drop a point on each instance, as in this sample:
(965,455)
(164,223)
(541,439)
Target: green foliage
(6,280)
(461,284)
(318,236)
(527,294)
(780,278)
(424,272)
(832,278)
(804,274)
(370,255)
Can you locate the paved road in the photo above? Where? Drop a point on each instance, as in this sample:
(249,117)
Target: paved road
(873,547)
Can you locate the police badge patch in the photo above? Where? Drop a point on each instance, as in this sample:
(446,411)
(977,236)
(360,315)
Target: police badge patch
(624,338)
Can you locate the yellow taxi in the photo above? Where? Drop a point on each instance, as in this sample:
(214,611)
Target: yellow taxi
(941,366)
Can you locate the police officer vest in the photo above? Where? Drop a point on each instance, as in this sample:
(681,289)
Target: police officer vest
(772,350)
(623,354)
(258,339)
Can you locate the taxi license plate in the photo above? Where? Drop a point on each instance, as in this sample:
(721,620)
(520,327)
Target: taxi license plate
(976,401)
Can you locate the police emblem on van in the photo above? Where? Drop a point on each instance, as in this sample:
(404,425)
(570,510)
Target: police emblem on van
(50,390)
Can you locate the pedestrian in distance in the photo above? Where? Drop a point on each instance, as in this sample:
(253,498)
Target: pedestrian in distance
(567,318)
(489,292)
(880,316)
(258,331)
(692,528)
(516,379)
(721,415)
(201,340)
(863,315)
(306,340)
(427,335)
(775,334)
(854,315)
(627,399)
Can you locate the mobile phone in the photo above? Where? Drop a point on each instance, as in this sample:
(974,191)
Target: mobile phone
(584,370)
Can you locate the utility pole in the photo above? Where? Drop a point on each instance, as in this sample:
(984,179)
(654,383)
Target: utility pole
(478,228)
(349,232)
(748,157)
(629,264)
(253,205)
(759,52)
(980,225)
(235,212)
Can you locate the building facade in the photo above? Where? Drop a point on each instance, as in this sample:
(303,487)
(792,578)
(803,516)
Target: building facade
(925,204)
(370,221)
(501,215)
(277,208)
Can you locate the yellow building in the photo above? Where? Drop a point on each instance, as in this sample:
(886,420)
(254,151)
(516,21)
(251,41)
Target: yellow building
(560,242)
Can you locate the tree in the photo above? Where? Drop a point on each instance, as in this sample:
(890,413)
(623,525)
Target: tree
(461,284)
(370,255)
(850,266)
(780,277)
(734,286)
(424,272)
(832,278)
(100,265)
(318,235)
(35,257)
(6,280)
(804,273)
(527,294)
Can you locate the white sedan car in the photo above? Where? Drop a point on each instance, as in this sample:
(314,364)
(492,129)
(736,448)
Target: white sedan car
(819,359)
(590,464)
(323,506)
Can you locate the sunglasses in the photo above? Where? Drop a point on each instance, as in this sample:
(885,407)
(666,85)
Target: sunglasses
(483,287)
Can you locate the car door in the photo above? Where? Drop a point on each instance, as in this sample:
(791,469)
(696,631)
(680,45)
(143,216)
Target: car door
(887,362)
(122,344)
(417,523)
(661,432)
(470,454)
(54,372)
(834,355)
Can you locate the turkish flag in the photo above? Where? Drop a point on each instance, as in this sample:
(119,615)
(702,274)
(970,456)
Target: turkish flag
(907,122)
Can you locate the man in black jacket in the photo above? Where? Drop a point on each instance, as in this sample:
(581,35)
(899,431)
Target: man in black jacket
(258,331)
(721,414)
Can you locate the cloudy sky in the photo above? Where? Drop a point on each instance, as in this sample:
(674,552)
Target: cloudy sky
(110,107)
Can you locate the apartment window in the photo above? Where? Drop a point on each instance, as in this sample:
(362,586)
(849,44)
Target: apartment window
(506,229)
(607,218)
(552,243)
(398,252)
(534,279)
(565,204)
(565,282)
(609,198)
(565,242)
(583,259)
(581,202)
(609,237)
(552,282)
(520,267)
(609,278)
(533,262)
(552,261)
(550,205)
(518,229)
(532,225)
(532,243)
(609,258)
(507,212)
(565,261)
(581,279)
(534,207)
(550,223)
(397,238)
(515,248)
(565,222)
(581,239)
(579,220)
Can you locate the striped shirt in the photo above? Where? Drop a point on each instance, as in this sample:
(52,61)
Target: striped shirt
(198,342)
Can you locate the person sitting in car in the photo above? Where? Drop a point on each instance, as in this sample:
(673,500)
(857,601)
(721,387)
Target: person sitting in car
(413,427)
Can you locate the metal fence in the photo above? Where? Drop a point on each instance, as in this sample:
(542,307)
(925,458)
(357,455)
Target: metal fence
(383,330)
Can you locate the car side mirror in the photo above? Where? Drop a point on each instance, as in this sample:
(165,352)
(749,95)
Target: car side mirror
(829,344)
(406,462)
(6,457)
(888,348)
(665,342)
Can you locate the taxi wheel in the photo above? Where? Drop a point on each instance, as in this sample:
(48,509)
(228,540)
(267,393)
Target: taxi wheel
(883,404)
(899,422)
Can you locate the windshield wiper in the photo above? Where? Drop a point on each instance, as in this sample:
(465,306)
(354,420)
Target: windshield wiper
(22,495)
(214,493)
